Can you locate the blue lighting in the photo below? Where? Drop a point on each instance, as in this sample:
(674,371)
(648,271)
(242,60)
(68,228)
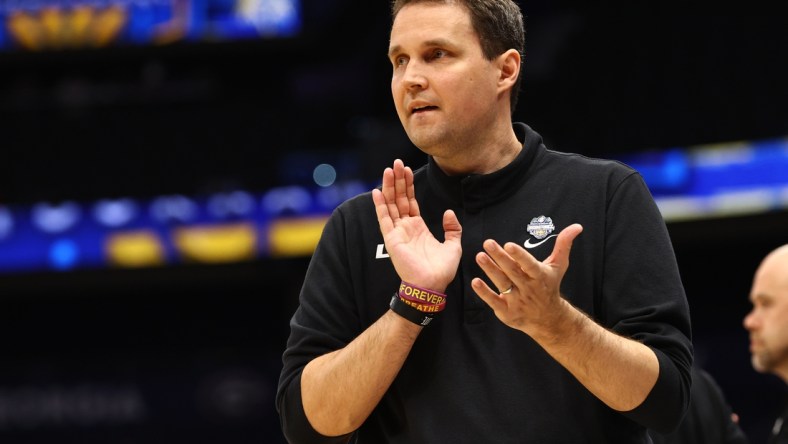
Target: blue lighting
(324,175)
(64,254)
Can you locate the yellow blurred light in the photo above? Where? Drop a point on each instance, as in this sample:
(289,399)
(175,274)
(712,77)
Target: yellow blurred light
(217,243)
(107,25)
(135,249)
(295,237)
(26,30)
(79,24)
(56,27)
(52,23)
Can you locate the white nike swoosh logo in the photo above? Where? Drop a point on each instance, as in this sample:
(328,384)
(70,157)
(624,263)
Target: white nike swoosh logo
(529,245)
(379,254)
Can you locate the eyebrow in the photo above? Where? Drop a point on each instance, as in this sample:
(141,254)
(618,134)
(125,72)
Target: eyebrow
(393,50)
(427,44)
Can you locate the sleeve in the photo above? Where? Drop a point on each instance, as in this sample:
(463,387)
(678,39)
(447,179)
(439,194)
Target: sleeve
(644,298)
(325,320)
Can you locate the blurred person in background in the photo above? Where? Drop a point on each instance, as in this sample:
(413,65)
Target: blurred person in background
(709,419)
(441,307)
(767,324)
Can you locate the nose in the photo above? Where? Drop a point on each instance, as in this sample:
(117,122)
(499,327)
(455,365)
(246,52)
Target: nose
(413,77)
(750,321)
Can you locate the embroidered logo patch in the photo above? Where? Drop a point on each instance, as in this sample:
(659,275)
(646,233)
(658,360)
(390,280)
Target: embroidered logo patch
(541,227)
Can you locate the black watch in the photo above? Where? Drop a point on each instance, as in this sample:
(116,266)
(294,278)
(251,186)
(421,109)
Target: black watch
(399,307)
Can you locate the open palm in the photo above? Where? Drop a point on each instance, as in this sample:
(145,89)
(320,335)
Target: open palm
(417,255)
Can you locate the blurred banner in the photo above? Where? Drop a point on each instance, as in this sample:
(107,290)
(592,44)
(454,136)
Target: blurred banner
(731,179)
(173,229)
(742,178)
(36,25)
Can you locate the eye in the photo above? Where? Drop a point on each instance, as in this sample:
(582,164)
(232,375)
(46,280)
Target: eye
(400,60)
(437,54)
(762,304)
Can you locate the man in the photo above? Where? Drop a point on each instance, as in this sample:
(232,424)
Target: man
(767,323)
(433,310)
(709,419)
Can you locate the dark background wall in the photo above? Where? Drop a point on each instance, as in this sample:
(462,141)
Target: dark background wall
(192,352)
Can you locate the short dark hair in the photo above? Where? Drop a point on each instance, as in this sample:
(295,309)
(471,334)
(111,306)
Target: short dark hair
(498,23)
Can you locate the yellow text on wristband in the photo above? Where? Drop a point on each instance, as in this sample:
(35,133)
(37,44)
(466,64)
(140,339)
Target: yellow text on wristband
(427,301)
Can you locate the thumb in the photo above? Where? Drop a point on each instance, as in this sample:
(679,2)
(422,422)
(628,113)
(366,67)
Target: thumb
(451,227)
(563,245)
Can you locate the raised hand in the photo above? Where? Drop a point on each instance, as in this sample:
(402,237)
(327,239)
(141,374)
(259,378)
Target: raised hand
(528,296)
(417,256)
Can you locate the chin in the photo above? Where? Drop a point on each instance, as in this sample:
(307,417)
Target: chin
(760,365)
(425,141)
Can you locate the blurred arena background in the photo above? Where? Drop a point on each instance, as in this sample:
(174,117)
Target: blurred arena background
(166,167)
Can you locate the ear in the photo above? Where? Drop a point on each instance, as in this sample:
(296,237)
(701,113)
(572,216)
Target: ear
(509,66)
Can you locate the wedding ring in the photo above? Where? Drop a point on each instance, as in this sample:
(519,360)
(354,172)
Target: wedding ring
(508,290)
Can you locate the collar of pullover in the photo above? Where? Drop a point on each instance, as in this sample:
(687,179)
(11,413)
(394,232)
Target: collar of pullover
(476,191)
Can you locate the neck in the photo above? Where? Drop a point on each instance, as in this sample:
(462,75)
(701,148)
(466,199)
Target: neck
(482,158)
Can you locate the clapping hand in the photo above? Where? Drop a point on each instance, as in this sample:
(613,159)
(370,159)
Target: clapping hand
(418,257)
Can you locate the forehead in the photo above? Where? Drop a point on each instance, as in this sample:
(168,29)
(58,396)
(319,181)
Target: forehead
(771,279)
(417,23)
(774,269)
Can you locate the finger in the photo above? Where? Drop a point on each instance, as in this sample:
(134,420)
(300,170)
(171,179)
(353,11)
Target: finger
(497,276)
(389,193)
(526,264)
(563,246)
(559,258)
(488,295)
(382,211)
(512,263)
(401,189)
(411,192)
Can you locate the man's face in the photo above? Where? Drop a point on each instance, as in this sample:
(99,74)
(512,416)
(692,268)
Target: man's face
(444,89)
(768,320)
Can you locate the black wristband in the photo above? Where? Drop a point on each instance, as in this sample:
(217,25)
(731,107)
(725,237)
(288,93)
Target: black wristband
(399,307)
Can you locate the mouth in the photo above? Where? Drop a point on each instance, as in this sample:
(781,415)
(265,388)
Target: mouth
(422,109)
